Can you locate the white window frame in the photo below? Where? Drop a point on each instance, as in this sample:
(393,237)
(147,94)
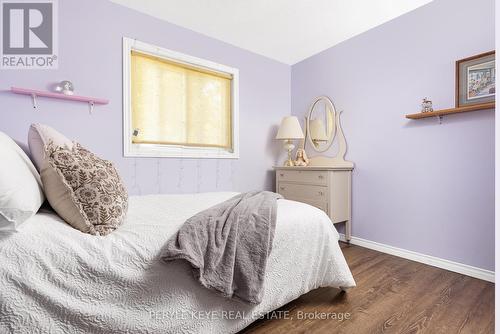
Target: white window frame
(178,151)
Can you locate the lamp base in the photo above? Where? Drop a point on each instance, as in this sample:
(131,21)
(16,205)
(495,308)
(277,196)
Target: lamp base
(289,147)
(288,163)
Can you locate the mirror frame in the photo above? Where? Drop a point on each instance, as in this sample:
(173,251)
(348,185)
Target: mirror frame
(331,106)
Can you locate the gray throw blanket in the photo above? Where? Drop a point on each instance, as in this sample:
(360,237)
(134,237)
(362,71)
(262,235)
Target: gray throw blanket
(228,245)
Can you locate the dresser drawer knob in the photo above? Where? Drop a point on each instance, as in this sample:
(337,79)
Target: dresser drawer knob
(320,177)
(281,174)
(282,188)
(320,193)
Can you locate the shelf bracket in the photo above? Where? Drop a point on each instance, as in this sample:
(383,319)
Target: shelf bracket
(33,98)
(440,119)
(91,107)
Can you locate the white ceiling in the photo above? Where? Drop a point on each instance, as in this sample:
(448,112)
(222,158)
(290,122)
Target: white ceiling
(285,30)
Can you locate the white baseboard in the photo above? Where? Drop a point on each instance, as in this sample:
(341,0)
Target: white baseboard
(460,268)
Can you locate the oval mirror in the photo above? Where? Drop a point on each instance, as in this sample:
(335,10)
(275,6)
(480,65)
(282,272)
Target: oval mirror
(320,124)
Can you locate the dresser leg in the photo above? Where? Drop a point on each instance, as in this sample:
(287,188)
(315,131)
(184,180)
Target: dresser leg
(348,230)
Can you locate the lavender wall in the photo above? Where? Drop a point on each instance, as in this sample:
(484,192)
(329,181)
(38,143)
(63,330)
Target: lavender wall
(418,185)
(497,180)
(90,53)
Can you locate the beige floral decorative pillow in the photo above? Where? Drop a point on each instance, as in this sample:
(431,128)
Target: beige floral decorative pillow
(85,190)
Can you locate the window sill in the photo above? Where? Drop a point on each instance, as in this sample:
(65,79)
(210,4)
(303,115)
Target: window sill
(163,151)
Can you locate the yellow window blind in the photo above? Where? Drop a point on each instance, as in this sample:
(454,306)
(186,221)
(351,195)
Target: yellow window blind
(179,104)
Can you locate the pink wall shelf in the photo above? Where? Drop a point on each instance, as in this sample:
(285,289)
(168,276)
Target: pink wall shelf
(42,93)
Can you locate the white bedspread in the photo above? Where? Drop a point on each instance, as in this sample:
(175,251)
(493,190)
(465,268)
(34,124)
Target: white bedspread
(55,279)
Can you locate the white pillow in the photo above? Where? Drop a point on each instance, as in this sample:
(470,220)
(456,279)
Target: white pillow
(39,136)
(21,192)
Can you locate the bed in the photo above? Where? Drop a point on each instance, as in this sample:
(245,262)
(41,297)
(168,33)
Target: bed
(56,279)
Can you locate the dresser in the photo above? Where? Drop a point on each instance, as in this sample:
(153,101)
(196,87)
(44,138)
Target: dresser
(327,188)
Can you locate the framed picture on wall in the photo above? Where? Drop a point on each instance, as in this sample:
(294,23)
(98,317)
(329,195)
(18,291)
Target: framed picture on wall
(475,80)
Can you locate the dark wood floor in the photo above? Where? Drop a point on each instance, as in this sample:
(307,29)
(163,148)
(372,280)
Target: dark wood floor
(393,295)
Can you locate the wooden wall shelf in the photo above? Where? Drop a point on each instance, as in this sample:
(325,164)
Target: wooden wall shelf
(443,112)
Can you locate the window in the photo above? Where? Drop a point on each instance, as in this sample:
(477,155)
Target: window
(177,105)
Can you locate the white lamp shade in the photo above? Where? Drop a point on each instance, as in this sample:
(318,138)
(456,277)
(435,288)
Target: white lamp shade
(290,129)
(318,131)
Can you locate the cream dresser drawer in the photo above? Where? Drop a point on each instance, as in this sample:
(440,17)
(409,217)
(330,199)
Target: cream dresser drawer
(299,176)
(303,191)
(327,188)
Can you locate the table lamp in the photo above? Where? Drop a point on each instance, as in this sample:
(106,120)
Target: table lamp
(289,130)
